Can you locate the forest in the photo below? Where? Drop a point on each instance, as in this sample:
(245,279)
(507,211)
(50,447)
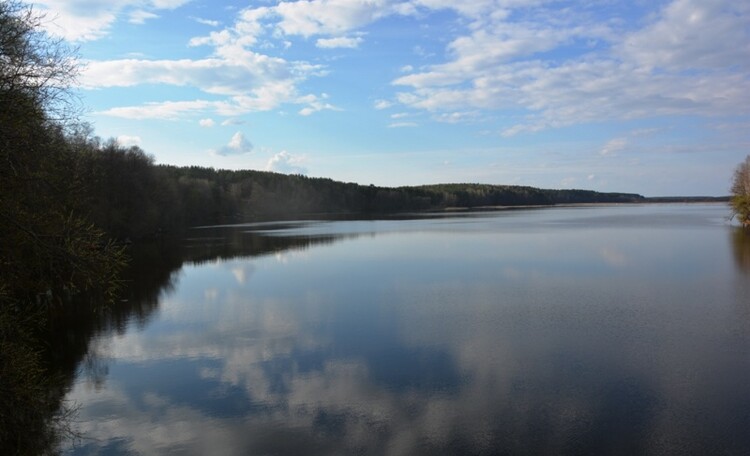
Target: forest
(130,197)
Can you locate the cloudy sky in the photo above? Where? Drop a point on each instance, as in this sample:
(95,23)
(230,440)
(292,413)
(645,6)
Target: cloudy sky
(644,96)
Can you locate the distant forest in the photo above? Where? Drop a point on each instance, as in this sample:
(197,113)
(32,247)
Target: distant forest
(129,196)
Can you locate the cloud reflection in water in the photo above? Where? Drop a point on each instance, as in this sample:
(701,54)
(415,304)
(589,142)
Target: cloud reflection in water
(604,339)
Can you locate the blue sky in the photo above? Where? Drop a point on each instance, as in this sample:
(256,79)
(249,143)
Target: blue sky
(640,96)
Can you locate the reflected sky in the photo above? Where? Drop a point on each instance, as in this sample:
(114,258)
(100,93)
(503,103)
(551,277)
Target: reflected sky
(594,330)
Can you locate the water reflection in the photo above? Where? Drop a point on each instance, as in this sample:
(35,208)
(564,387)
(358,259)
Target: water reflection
(741,247)
(470,336)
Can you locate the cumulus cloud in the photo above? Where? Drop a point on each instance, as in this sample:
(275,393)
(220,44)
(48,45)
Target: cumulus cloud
(402,124)
(328,17)
(335,19)
(687,57)
(206,123)
(331,20)
(238,145)
(686,61)
(249,81)
(286,163)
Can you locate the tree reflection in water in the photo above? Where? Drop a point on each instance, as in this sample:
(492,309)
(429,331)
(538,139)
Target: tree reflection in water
(68,332)
(741,247)
(511,359)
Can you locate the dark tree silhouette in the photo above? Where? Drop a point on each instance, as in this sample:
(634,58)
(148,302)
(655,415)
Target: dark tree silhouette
(49,250)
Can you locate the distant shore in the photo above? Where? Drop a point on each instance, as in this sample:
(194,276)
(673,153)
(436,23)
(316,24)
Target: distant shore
(688,199)
(646,200)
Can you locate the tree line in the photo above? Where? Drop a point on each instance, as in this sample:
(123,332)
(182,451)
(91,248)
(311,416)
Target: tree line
(130,197)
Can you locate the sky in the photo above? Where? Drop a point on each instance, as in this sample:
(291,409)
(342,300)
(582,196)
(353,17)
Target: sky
(642,96)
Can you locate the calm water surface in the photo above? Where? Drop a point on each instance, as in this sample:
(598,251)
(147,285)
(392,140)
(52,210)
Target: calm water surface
(590,330)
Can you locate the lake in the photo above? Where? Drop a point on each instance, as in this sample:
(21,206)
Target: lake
(574,330)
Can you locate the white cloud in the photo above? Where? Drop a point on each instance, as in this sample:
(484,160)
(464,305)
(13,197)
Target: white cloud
(141,16)
(338,42)
(264,98)
(315,104)
(614,146)
(169,110)
(255,83)
(402,124)
(686,61)
(234,76)
(382,104)
(238,145)
(128,141)
(206,123)
(250,81)
(209,22)
(478,8)
(456,117)
(168,4)
(328,17)
(286,163)
(693,34)
(86,20)
(233,122)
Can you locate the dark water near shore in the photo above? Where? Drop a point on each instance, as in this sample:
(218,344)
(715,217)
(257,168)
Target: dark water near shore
(582,330)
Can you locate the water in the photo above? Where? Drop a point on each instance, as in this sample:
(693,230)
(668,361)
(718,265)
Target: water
(589,330)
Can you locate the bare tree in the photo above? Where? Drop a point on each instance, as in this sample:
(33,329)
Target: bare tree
(49,251)
(34,67)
